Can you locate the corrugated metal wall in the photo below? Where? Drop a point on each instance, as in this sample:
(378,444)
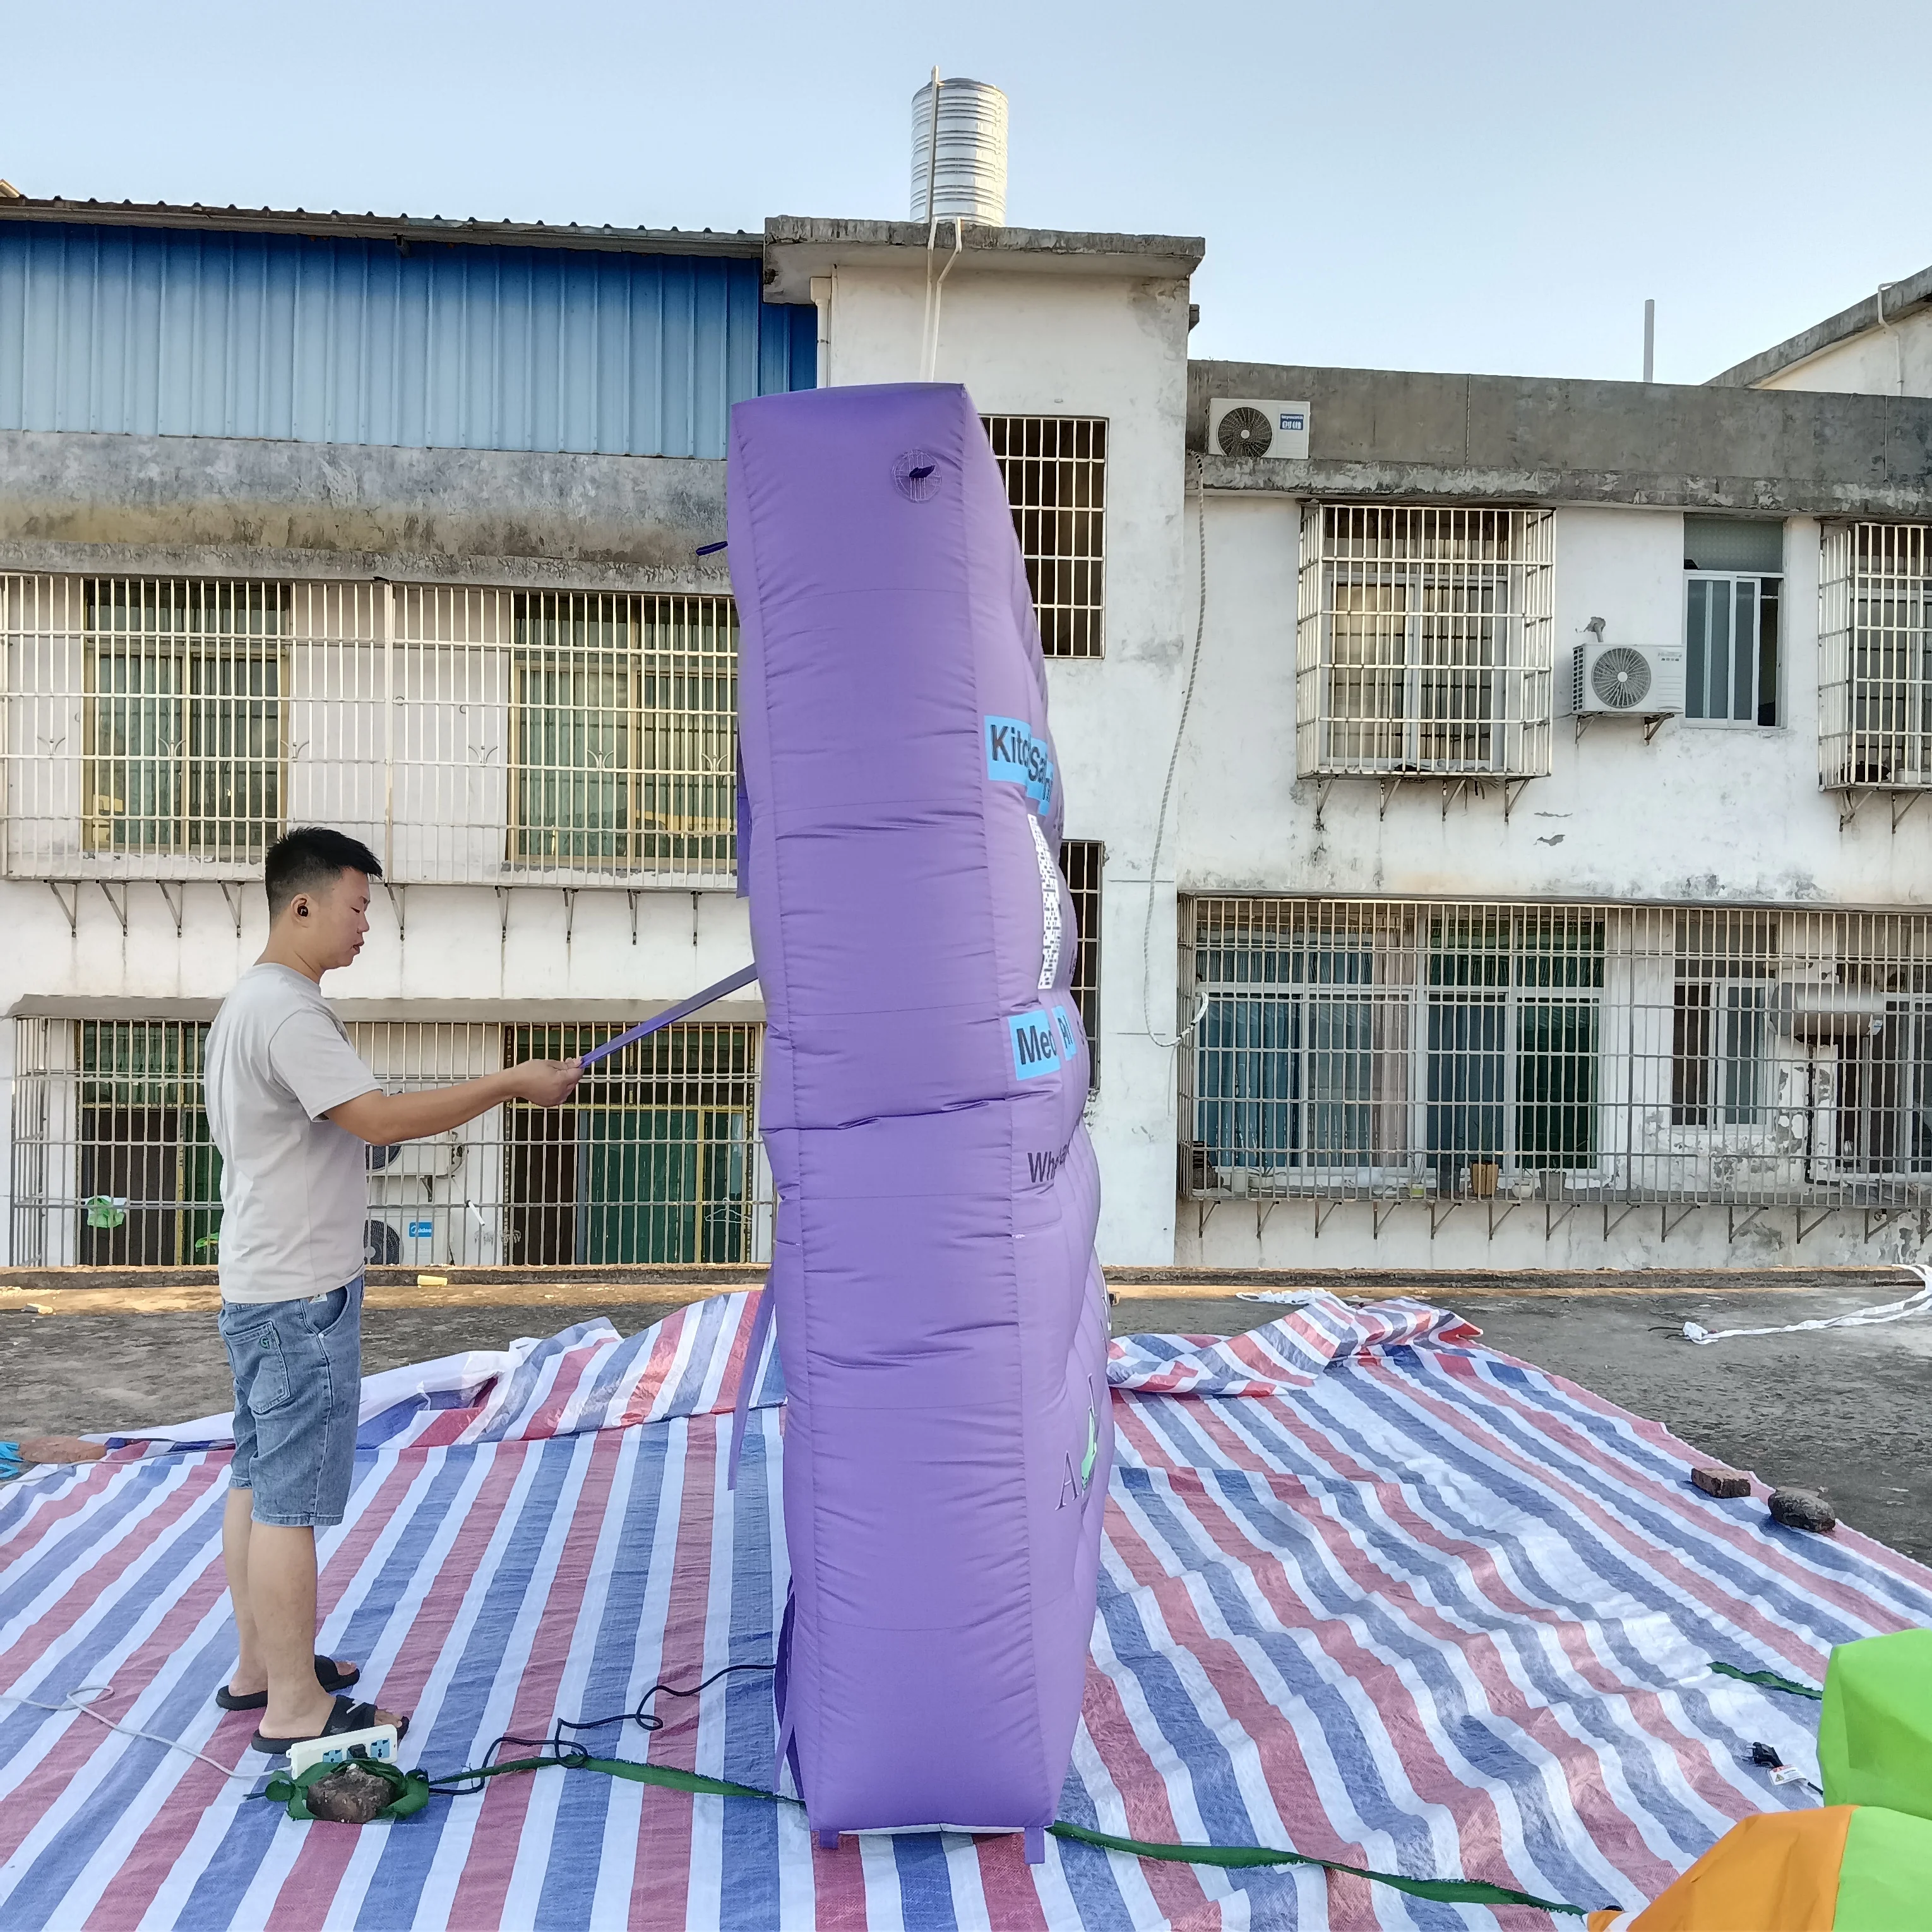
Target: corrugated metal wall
(175,332)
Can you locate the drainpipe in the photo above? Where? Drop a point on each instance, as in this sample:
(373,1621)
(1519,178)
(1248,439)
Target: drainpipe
(1897,345)
(821,300)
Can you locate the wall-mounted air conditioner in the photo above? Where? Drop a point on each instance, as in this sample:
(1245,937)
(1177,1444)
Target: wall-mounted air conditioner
(1249,426)
(1622,680)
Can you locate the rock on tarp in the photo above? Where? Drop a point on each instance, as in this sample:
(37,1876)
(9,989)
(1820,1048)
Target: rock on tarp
(941,1316)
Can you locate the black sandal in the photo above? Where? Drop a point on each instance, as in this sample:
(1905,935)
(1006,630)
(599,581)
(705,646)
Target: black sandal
(328,1674)
(345,1716)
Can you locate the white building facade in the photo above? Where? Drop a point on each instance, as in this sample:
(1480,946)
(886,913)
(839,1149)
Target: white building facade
(1392,958)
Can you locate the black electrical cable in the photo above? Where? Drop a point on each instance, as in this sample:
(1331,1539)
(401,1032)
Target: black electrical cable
(558,1749)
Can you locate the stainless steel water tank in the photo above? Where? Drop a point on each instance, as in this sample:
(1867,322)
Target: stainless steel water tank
(969,180)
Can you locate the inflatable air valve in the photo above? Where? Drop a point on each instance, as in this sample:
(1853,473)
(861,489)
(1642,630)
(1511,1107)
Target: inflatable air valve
(941,1316)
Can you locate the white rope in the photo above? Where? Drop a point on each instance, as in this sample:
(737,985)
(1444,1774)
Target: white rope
(81,1699)
(1167,793)
(1914,1303)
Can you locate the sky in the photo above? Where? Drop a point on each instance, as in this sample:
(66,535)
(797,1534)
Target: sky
(1480,186)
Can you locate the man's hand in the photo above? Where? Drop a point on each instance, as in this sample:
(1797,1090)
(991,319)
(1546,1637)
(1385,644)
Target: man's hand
(382,1119)
(546,1083)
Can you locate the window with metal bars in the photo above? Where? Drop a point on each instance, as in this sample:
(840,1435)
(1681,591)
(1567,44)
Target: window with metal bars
(652,1159)
(1081,861)
(1382,1048)
(163,729)
(185,733)
(656,1160)
(1423,641)
(1875,657)
(1055,471)
(1721,1018)
(625,733)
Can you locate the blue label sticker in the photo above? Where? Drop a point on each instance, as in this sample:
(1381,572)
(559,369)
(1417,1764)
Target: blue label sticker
(421,1230)
(1014,756)
(1069,1041)
(1035,1050)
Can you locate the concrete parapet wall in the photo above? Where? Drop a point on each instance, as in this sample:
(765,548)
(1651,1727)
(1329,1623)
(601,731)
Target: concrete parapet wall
(1402,434)
(189,504)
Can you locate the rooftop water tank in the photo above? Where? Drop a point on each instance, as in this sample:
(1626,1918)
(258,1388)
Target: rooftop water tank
(971,179)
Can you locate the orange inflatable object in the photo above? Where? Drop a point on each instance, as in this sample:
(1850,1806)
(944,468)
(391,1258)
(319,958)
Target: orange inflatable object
(1777,1873)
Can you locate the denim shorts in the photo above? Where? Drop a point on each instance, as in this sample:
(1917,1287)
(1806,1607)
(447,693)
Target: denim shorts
(297,1387)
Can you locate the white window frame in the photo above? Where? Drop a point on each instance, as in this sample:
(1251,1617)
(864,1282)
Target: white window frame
(1758,579)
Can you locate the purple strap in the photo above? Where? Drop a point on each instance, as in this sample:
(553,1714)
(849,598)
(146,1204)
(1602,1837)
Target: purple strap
(741,1410)
(671,1016)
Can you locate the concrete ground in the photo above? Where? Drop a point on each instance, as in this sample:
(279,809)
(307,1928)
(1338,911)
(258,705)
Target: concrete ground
(1845,1411)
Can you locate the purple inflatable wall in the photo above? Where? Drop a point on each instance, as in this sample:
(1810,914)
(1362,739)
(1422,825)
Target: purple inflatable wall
(941,1318)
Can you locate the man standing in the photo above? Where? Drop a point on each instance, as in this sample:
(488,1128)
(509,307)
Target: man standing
(292,1108)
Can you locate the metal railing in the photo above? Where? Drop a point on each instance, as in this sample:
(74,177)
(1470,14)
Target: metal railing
(656,1159)
(169,729)
(1423,642)
(1875,657)
(1396,1049)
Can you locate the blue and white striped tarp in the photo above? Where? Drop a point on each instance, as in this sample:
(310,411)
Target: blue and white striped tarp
(1422,1610)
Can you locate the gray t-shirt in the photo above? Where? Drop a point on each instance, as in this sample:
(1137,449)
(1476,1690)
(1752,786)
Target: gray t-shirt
(292,1186)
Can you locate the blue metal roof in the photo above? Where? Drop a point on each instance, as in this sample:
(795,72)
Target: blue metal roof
(149,330)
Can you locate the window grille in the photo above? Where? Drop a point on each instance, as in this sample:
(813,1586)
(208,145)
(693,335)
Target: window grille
(655,1160)
(1875,657)
(1055,469)
(1423,642)
(160,729)
(1391,1049)
(625,752)
(1081,860)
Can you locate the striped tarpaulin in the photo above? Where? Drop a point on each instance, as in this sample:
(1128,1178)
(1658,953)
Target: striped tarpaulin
(1427,1610)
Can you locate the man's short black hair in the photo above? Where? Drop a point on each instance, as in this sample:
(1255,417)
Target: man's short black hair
(311,859)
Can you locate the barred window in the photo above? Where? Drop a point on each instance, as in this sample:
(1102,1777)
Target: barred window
(1720,1019)
(184,717)
(1424,641)
(1081,861)
(652,1159)
(149,1178)
(656,1158)
(158,730)
(1875,652)
(1055,470)
(625,732)
(1457,1043)
(1388,1048)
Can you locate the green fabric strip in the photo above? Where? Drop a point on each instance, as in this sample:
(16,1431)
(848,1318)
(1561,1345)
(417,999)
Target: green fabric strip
(1766,1680)
(1444,1891)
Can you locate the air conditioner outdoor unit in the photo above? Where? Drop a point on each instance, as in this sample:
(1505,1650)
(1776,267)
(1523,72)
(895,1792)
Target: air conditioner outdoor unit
(1623,680)
(1247,426)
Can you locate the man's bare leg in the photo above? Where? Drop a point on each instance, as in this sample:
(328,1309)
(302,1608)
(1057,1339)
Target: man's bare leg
(251,1672)
(281,1596)
(258,1559)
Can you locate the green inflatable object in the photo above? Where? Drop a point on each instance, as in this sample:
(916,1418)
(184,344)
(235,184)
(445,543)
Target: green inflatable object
(1882,1880)
(1875,1733)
